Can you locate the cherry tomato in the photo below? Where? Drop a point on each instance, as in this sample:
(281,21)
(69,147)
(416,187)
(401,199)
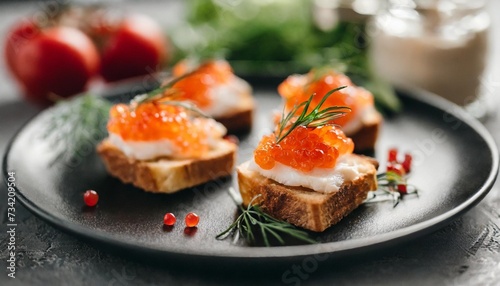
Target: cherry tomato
(138,47)
(56,60)
(59,57)
(16,38)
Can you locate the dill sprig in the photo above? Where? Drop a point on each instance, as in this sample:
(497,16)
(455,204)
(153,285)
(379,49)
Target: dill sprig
(253,219)
(76,125)
(313,118)
(391,186)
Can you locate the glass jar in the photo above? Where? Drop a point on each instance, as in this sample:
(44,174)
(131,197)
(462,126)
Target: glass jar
(437,45)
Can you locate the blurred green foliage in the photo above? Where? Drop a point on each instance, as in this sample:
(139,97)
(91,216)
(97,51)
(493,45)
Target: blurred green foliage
(277,38)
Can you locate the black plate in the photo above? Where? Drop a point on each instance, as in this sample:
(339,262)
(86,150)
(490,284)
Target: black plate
(455,165)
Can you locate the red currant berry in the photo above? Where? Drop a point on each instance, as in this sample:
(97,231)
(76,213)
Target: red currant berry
(192,220)
(390,167)
(396,168)
(407,162)
(402,189)
(90,197)
(393,155)
(169,219)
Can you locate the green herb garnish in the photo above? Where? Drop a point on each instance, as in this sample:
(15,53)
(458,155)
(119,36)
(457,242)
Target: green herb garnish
(314,118)
(157,93)
(186,105)
(158,96)
(76,124)
(253,219)
(284,39)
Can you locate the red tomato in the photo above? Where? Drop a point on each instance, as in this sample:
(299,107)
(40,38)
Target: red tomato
(137,48)
(57,60)
(60,60)
(17,37)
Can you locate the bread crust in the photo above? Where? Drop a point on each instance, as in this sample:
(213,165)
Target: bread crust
(365,138)
(240,120)
(302,206)
(166,175)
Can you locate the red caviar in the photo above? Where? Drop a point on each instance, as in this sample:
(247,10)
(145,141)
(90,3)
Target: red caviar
(298,88)
(169,219)
(90,197)
(192,220)
(196,86)
(304,148)
(152,121)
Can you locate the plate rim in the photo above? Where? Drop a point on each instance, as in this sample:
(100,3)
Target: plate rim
(336,248)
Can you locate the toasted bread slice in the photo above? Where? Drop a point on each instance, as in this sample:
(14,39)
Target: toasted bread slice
(365,138)
(241,118)
(305,207)
(166,175)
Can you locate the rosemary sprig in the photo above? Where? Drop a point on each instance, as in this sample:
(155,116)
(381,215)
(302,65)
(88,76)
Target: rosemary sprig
(253,219)
(391,186)
(314,118)
(157,93)
(76,125)
(186,105)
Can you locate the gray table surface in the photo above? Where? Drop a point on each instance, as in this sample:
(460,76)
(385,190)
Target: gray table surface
(466,252)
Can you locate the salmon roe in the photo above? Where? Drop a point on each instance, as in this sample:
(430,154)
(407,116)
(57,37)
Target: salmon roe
(196,86)
(304,148)
(169,219)
(298,88)
(192,220)
(153,121)
(90,197)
